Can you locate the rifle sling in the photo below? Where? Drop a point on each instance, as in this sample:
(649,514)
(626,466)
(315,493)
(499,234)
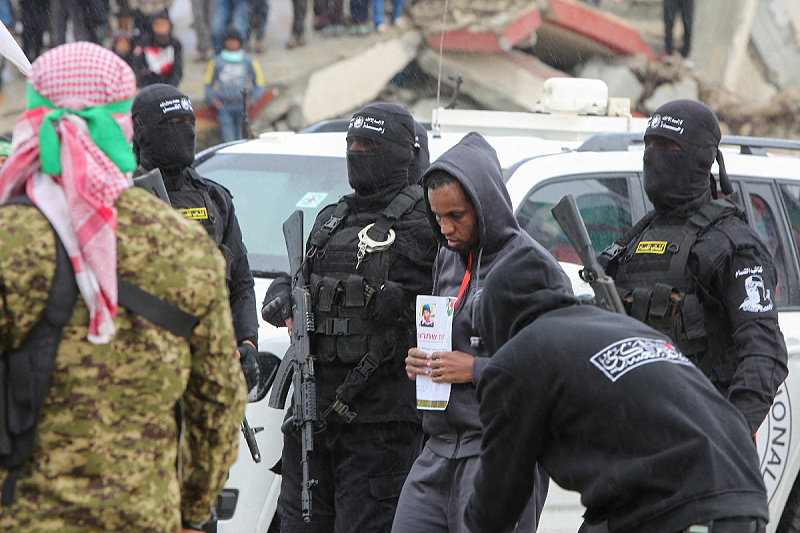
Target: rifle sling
(159,312)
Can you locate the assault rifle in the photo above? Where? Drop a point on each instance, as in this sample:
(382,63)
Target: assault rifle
(569,218)
(297,367)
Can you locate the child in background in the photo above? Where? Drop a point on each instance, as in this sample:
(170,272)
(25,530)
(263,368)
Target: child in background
(121,45)
(228,73)
(158,59)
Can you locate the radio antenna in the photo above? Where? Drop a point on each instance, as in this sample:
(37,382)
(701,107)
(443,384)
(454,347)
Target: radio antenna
(436,127)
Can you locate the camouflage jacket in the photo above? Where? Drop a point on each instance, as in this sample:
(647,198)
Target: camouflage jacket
(106,450)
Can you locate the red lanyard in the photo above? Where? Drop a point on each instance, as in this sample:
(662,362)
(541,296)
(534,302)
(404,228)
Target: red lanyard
(465,281)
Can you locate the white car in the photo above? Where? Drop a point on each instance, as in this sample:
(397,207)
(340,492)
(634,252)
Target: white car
(544,157)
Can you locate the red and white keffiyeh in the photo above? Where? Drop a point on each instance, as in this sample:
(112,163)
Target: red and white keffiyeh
(80,202)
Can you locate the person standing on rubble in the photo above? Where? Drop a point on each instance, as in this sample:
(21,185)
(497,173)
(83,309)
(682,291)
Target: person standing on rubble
(671,9)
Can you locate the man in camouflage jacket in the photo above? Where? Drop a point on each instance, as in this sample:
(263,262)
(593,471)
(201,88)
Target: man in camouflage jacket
(107,445)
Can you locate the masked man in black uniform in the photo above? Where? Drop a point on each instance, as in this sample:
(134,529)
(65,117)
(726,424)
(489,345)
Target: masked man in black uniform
(364,315)
(608,407)
(164,138)
(694,270)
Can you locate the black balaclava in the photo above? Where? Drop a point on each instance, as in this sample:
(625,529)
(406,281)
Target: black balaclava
(676,180)
(422,159)
(157,143)
(378,174)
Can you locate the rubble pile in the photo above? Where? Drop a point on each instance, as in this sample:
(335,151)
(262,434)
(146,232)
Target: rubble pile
(745,66)
(471,15)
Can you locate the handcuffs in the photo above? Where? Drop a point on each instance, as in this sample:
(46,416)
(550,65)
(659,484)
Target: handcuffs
(368,245)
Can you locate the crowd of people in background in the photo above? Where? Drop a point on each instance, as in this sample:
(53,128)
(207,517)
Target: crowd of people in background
(141,32)
(99,20)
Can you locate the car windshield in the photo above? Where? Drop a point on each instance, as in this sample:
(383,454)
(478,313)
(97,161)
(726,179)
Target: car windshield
(267,188)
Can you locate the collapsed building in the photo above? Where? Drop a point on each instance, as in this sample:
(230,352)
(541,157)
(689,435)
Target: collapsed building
(496,54)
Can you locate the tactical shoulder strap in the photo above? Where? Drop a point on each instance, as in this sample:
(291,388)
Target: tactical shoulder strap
(696,224)
(402,204)
(710,213)
(323,234)
(25,372)
(618,247)
(158,311)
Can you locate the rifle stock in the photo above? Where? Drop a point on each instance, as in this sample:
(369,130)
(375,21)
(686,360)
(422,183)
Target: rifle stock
(569,218)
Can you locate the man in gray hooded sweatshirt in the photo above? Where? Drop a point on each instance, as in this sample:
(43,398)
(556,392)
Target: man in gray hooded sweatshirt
(470,209)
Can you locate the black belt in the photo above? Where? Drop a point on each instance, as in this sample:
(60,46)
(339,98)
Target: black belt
(728,525)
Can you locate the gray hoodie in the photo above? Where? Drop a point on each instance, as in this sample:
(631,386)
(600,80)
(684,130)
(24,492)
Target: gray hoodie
(456,431)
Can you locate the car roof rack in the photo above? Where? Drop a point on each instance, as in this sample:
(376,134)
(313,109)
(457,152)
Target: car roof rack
(619,142)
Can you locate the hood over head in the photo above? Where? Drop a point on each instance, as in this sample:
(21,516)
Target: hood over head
(676,178)
(163,128)
(378,174)
(474,163)
(520,288)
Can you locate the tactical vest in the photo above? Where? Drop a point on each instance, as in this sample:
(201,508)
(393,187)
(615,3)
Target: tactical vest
(650,264)
(357,310)
(196,203)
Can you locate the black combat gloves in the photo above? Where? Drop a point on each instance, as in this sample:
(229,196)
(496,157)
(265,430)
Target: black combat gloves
(248,357)
(277,306)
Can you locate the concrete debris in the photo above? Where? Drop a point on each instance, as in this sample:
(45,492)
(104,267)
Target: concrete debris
(517,32)
(578,32)
(510,81)
(686,88)
(774,40)
(621,80)
(471,15)
(355,81)
(745,66)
